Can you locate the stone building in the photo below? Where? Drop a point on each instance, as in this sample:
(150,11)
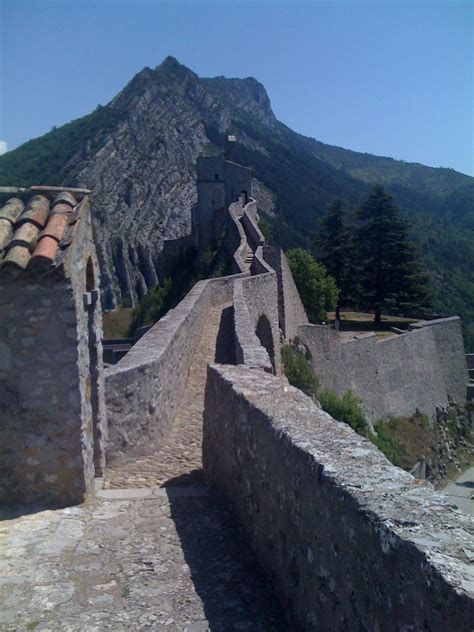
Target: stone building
(219,183)
(52,411)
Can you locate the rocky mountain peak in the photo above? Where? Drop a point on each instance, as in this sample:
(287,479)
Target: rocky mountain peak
(247,94)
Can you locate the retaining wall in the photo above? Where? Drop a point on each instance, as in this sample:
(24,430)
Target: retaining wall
(419,370)
(350,541)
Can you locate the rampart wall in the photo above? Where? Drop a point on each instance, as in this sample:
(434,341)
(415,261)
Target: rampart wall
(350,541)
(419,370)
(290,307)
(145,386)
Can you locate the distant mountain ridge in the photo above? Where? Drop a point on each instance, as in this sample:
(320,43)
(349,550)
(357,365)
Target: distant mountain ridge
(138,155)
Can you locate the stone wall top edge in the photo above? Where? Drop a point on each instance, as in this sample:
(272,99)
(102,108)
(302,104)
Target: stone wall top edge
(154,343)
(389,496)
(150,348)
(436,321)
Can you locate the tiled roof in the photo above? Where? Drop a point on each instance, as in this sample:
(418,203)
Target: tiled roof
(36,226)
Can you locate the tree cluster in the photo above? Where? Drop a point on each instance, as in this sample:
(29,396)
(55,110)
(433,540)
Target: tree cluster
(367,262)
(372,259)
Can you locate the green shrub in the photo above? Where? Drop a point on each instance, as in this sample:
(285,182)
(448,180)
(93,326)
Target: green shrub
(347,408)
(266,229)
(298,371)
(317,289)
(385,442)
(151,307)
(126,302)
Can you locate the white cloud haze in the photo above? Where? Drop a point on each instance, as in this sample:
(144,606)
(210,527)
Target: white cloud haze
(3,147)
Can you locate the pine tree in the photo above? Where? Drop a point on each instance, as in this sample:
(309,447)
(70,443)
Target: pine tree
(335,242)
(392,277)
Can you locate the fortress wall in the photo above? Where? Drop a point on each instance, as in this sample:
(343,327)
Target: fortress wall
(251,228)
(145,386)
(349,540)
(396,376)
(236,241)
(447,335)
(260,297)
(290,307)
(248,349)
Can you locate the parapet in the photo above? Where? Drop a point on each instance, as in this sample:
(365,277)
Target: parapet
(351,541)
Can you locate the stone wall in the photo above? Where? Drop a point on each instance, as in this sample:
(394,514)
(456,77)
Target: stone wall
(451,359)
(51,410)
(350,541)
(236,242)
(290,307)
(41,440)
(248,349)
(82,268)
(260,297)
(419,370)
(145,386)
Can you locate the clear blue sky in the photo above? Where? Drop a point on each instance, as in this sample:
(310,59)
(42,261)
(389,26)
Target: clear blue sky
(389,78)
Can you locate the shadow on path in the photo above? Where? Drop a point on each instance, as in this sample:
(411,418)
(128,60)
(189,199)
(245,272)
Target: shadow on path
(236,595)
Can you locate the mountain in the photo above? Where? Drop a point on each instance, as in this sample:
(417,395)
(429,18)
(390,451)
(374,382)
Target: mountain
(138,155)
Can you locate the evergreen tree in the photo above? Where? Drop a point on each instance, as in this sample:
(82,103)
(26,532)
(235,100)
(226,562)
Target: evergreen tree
(317,289)
(391,274)
(335,242)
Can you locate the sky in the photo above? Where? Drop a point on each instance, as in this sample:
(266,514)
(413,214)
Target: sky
(391,78)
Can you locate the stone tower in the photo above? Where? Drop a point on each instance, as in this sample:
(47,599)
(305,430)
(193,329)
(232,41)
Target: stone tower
(219,183)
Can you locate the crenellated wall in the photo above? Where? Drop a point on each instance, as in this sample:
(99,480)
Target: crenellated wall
(419,370)
(350,541)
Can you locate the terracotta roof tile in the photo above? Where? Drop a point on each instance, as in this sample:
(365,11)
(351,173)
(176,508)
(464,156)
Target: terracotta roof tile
(35,225)
(9,213)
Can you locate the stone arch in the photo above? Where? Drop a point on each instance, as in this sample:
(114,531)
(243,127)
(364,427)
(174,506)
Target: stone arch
(264,334)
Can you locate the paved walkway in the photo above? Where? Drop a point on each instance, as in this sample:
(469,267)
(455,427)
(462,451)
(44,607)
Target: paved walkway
(461,491)
(156,563)
(149,558)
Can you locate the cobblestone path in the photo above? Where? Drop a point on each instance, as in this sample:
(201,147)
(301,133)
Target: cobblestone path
(167,561)
(179,461)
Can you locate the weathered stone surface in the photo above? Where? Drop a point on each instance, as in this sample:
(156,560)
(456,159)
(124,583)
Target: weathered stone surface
(290,307)
(350,540)
(165,562)
(47,421)
(420,370)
